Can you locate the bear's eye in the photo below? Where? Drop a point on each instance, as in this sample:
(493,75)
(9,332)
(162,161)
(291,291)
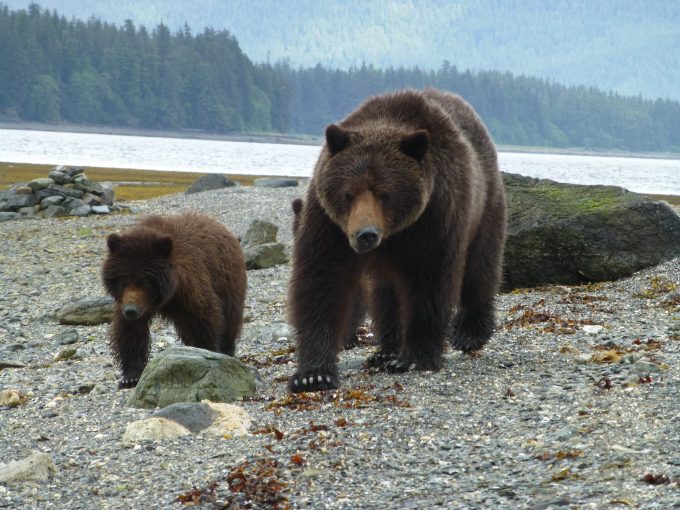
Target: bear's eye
(349,196)
(383,197)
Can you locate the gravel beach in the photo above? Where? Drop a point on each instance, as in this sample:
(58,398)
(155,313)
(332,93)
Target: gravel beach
(573,404)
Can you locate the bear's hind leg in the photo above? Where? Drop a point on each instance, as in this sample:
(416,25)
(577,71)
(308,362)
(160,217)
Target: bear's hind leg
(130,344)
(387,325)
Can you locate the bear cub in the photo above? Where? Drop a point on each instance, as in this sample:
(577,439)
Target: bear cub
(188,269)
(405,209)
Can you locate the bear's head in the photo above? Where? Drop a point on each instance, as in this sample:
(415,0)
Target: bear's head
(374,182)
(138,271)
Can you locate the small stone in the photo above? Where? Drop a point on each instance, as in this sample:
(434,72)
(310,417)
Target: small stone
(68,337)
(646,367)
(6,216)
(592,329)
(65,354)
(8,363)
(12,397)
(210,182)
(38,466)
(153,429)
(54,211)
(53,200)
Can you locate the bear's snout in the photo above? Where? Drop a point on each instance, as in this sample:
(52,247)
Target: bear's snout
(131,312)
(366,238)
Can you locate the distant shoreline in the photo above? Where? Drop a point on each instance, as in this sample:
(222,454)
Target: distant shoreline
(295,139)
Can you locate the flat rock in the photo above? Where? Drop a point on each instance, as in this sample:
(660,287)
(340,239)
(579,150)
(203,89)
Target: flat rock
(209,182)
(38,467)
(188,374)
(88,312)
(266,182)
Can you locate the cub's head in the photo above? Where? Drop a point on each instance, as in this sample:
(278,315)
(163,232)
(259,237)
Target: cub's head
(138,271)
(373,182)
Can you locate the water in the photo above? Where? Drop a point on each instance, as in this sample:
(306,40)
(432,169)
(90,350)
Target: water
(644,175)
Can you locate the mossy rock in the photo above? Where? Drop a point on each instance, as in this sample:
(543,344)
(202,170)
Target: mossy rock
(572,234)
(189,374)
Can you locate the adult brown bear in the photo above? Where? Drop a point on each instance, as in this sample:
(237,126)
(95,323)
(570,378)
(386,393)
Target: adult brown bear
(406,195)
(188,269)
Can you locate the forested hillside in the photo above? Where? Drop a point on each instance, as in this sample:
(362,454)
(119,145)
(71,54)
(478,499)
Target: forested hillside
(53,69)
(628,46)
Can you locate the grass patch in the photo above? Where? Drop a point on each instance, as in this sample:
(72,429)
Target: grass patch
(129,184)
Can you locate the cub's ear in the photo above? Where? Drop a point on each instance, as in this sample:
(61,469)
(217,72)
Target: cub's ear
(415,145)
(336,138)
(163,247)
(113,241)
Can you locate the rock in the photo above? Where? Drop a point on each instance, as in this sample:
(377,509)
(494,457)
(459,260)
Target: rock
(16,200)
(189,374)
(91,199)
(101,209)
(59,177)
(30,212)
(571,234)
(266,182)
(22,189)
(259,232)
(87,312)
(83,210)
(153,429)
(210,182)
(38,466)
(66,353)
(592,329)
(6,216)
(265,255)
(40,183)
(51,200)
(72,203)
(8,363)
(56,189)
(54,211)
(186,418)
(68,337)
(12,397)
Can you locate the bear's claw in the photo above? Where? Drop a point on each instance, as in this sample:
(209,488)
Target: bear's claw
(127,382)
(312,381)
(399,366)
(380,359)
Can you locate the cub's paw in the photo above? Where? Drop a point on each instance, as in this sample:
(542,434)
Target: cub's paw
(472,330)
(351,342)
(381,359)
(128,382)
(312,380)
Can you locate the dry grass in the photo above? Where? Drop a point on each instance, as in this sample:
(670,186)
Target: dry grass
(128,184)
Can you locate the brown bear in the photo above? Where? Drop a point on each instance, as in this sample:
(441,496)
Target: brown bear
(188,269)
(407,196)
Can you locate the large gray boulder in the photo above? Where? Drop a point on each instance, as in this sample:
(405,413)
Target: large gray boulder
(572,234)
(189,374)
(210,182)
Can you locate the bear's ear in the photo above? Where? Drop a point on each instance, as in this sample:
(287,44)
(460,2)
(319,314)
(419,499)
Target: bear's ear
(336,138)
(415,145)
(163,247)
(113,241)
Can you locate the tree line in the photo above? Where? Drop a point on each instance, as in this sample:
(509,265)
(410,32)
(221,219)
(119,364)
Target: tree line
(55,70)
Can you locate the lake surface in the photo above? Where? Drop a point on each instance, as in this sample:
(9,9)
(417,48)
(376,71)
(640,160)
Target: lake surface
(645,175)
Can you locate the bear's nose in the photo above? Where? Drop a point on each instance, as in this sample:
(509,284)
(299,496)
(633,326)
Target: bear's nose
(367,238)
(131,312)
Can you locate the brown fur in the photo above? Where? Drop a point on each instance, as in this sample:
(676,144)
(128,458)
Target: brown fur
(406,195)
(188,269)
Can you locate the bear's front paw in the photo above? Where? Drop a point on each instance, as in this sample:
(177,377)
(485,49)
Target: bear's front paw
(127,382)
(312,380)
(381,359)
